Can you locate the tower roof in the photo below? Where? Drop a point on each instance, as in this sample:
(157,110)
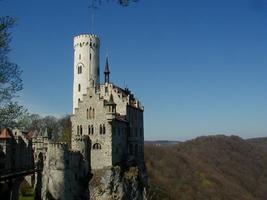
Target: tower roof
(106,67)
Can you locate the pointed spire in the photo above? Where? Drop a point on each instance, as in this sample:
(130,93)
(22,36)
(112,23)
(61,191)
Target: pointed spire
(106,72)
(45,133)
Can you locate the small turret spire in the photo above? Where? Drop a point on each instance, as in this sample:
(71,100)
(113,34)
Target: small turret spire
(106,72)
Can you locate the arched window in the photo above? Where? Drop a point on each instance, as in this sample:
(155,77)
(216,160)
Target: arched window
(87,113)
(80,56)
(97,146)
(81,130)
(93,113)
(100,131)
(92,129)
(79,87)
(89,130)
(90,113)
(104,129)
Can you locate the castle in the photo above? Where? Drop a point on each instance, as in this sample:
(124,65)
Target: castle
(107,130)
(111,116)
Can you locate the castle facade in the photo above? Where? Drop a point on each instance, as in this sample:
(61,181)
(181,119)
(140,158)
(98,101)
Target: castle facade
(110,115)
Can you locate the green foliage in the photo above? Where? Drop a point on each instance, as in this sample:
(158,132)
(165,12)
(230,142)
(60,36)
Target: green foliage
(58,129)
(65,125)
(214,167)
(9,114)
(65,137)
(131,174)
(26,192)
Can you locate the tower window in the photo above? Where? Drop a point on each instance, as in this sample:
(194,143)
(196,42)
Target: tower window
(79,69)
(79,87)
(80,56)
(90,56)
(93,113)
(89,130)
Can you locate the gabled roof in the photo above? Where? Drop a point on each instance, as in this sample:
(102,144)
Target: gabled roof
(6,133)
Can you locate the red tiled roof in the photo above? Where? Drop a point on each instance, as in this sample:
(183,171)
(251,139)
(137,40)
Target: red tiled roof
(6,133)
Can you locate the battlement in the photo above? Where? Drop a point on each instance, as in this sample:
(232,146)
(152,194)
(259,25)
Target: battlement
(85,36)
(58,145)
(86,40)
(81,138)
(75,153)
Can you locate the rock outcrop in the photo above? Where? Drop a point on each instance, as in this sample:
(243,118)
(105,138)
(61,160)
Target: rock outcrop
(119,183)
(65,174)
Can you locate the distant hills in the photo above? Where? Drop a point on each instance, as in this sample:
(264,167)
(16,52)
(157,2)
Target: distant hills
(211,167)
(160,142)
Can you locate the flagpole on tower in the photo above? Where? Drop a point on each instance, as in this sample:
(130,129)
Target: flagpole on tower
(92,7)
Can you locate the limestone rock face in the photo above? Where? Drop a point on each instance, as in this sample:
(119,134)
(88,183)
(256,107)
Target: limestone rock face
(65,174)
(115,183)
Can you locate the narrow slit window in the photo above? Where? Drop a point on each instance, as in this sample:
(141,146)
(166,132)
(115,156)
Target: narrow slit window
(100,131)
(104,129)
(81,130)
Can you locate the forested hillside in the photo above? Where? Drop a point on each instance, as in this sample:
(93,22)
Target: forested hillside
(210,167)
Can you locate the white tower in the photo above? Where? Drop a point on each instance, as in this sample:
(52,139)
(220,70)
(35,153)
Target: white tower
(86,65)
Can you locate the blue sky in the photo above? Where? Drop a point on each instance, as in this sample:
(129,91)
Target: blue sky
(198,67)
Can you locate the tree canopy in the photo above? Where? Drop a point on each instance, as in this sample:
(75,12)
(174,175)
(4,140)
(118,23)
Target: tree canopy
(10,80)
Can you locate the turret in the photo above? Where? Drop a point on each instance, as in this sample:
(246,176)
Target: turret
(110,108)
(86,65)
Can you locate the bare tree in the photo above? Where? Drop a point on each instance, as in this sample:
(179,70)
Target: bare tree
(10,81)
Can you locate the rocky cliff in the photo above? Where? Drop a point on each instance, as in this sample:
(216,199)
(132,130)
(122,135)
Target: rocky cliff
(119,183)
(65,174)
